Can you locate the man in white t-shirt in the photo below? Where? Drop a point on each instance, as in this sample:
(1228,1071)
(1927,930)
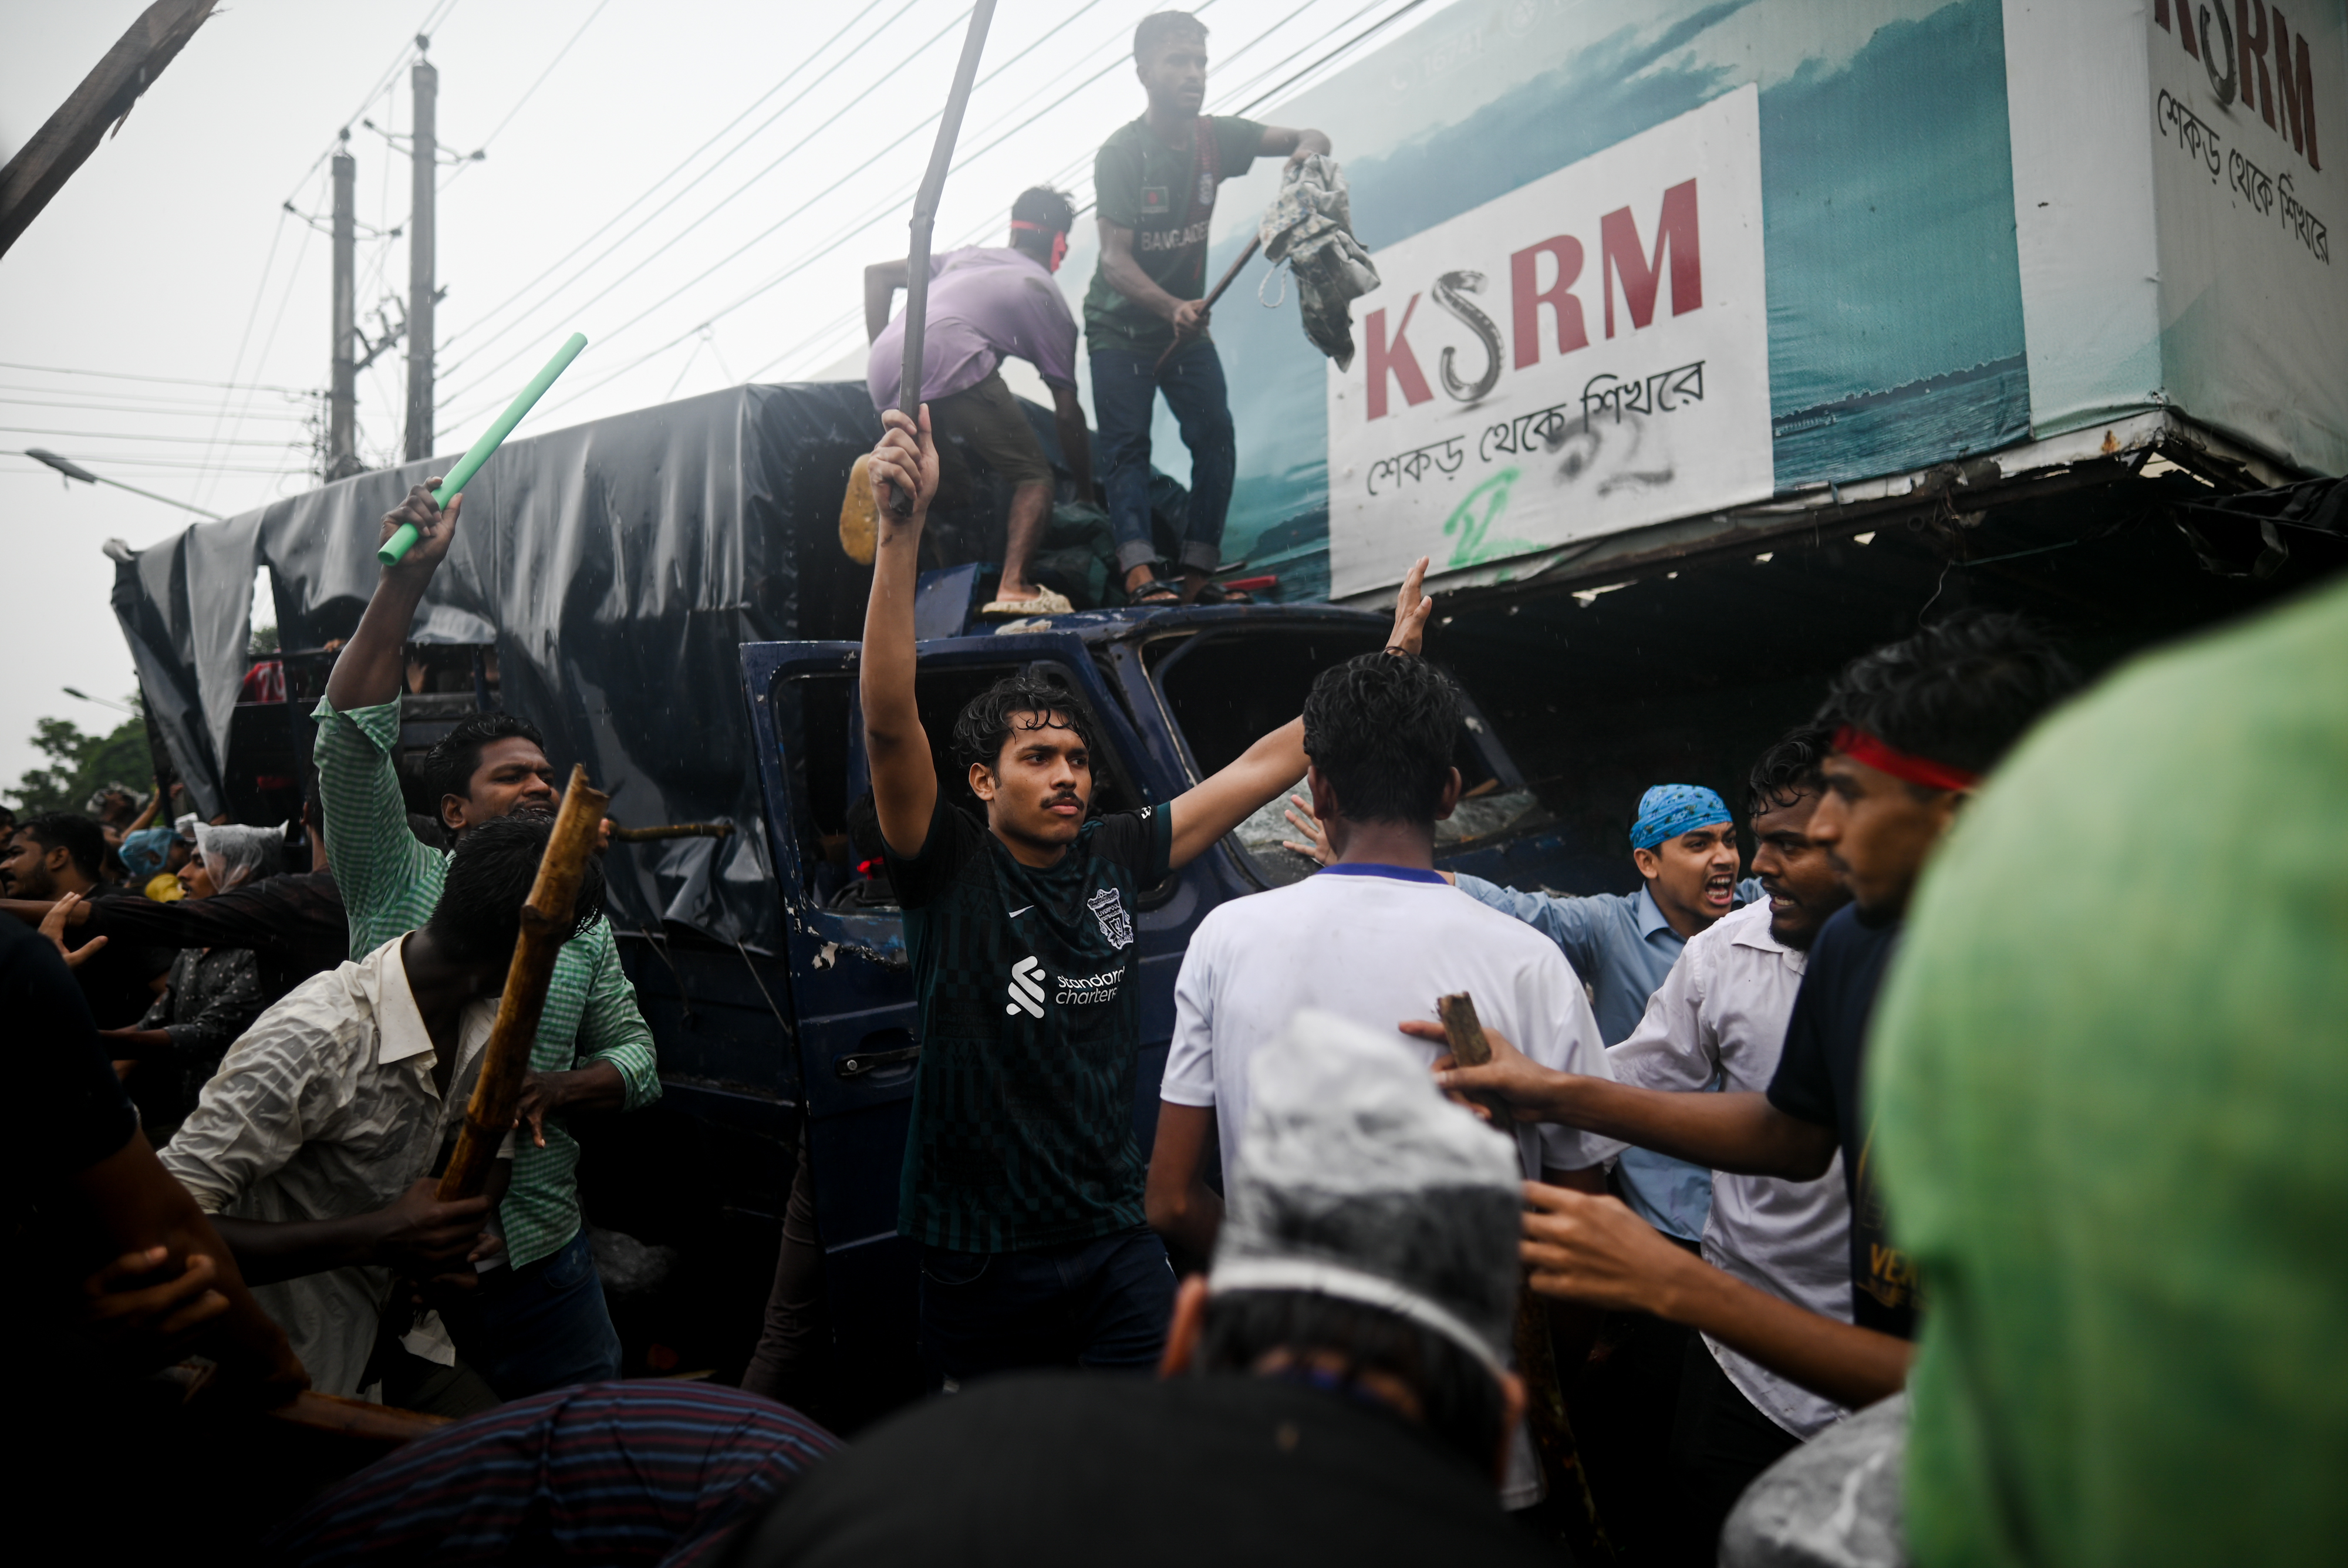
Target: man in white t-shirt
(1720,1016)
(1375,938)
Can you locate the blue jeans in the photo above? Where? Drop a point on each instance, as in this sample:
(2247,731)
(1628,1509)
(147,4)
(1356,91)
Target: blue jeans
(542,1325)
(1100,1303)
(1124,393)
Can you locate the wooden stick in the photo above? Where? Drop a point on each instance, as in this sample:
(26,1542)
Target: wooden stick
(925,213)
(673,830)
(1460,1027)
(1215,294)
(545,921)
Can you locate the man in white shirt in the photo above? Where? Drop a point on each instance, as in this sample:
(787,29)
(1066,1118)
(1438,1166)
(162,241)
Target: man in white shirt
(1720,1016)
(313,1148)
(1375,938)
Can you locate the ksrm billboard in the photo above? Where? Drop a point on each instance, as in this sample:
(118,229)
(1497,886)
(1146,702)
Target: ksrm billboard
(1586,354)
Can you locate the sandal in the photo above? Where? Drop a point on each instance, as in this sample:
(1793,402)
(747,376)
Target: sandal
(1216,594)
(1155,593)
(1047,602)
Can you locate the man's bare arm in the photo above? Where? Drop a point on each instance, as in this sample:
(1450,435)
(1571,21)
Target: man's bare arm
(139,1208)
(1180,1205)
(1126,276)
(416,1233)
(1297,146)
(904,784)
(367,671)
(1741,1133)
(1214,806)
(1594,1251)
(1075,441)
(881,282)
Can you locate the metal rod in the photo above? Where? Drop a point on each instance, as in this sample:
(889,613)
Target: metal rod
(1228,273)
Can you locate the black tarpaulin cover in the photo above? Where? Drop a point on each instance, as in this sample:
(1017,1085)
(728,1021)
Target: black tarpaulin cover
(616,565)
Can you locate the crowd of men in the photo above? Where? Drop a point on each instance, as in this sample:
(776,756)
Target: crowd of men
(1961,1180)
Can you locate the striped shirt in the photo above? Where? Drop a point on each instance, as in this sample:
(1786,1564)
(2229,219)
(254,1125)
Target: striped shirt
(610,1473)
(390,883)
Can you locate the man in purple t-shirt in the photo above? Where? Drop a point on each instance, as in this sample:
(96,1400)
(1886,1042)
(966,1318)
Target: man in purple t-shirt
(987,304)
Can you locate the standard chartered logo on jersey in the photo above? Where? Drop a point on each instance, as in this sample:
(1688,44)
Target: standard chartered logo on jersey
(1026,987)
(1029,982)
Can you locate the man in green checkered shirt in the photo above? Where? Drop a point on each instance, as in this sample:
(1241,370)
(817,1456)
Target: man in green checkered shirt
(540,1321)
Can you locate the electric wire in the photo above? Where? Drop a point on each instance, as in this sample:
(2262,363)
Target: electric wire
(166,380)
(485,142)
(564,259)
(852,106)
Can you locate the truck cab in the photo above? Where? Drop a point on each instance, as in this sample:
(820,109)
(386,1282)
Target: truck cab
(1173,695)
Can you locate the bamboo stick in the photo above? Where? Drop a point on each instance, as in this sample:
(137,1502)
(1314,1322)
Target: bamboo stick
(489,1115)
(1213,295)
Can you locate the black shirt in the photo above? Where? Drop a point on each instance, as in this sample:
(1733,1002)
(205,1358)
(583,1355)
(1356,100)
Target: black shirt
(1023,1105)
(75,1112)
(117,982)
(293,924)
(1083,1469)
(1820,1081)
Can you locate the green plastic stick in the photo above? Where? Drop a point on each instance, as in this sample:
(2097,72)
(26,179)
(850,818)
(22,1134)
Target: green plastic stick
(404,539)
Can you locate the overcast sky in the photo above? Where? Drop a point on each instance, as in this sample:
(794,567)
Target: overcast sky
(170,254)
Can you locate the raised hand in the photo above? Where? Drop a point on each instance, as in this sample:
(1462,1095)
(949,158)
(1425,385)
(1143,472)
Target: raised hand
(53,926)
(906,459)
(434,528)
(1412,607)
(1316,837)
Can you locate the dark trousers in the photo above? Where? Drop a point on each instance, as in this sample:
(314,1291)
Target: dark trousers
(1125,394)
(1720,1442)
(1102,1304)
(1622,1411)
(793,1361)
(542,1325)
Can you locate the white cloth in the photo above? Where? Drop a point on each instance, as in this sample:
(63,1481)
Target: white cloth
(1377,949)
(1723,1010)
(324,1110)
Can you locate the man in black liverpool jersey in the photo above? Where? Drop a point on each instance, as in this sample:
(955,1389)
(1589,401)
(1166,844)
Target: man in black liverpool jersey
(1022,1181)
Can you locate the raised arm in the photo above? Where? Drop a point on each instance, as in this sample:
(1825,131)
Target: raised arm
(1741,1133)
(904,782)
(367,672)
(1297,146)
(881,282)
(1214,806)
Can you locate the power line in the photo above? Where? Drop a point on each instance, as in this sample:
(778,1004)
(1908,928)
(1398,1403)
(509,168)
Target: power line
(167,380)
(189,411)
(293,275)
(408,51)
(838,238)
(114,436)
(560,261)
(852,106)
(163,463)
(485,142)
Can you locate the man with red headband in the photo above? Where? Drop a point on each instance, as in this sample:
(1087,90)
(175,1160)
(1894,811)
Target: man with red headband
(1915,726)
(989,304)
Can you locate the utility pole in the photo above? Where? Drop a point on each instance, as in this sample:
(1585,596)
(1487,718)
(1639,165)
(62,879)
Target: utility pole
(341,409)
(424,82)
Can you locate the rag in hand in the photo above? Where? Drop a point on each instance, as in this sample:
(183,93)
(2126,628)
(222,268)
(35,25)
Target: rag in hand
(1310,227)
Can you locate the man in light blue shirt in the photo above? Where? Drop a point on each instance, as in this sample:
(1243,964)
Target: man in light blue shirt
(1622,945)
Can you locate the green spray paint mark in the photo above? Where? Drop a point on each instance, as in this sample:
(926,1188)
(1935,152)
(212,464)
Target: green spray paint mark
(1471,521)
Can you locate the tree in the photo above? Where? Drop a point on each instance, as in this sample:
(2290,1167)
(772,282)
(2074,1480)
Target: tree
(81,763)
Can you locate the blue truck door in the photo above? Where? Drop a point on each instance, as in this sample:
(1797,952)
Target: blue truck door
(851,999)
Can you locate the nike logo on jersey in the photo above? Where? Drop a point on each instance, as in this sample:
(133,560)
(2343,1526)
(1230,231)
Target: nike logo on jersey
(1020,910)
(1026,987)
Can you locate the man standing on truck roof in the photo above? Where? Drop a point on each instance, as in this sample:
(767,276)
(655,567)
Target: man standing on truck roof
(988,304)
(542,1320)
(1154,180)
(1022,1181)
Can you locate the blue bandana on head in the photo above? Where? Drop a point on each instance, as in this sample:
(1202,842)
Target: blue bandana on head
(1667,811)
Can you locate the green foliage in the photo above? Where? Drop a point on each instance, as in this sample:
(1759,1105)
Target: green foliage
(265,641)
(80,763)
